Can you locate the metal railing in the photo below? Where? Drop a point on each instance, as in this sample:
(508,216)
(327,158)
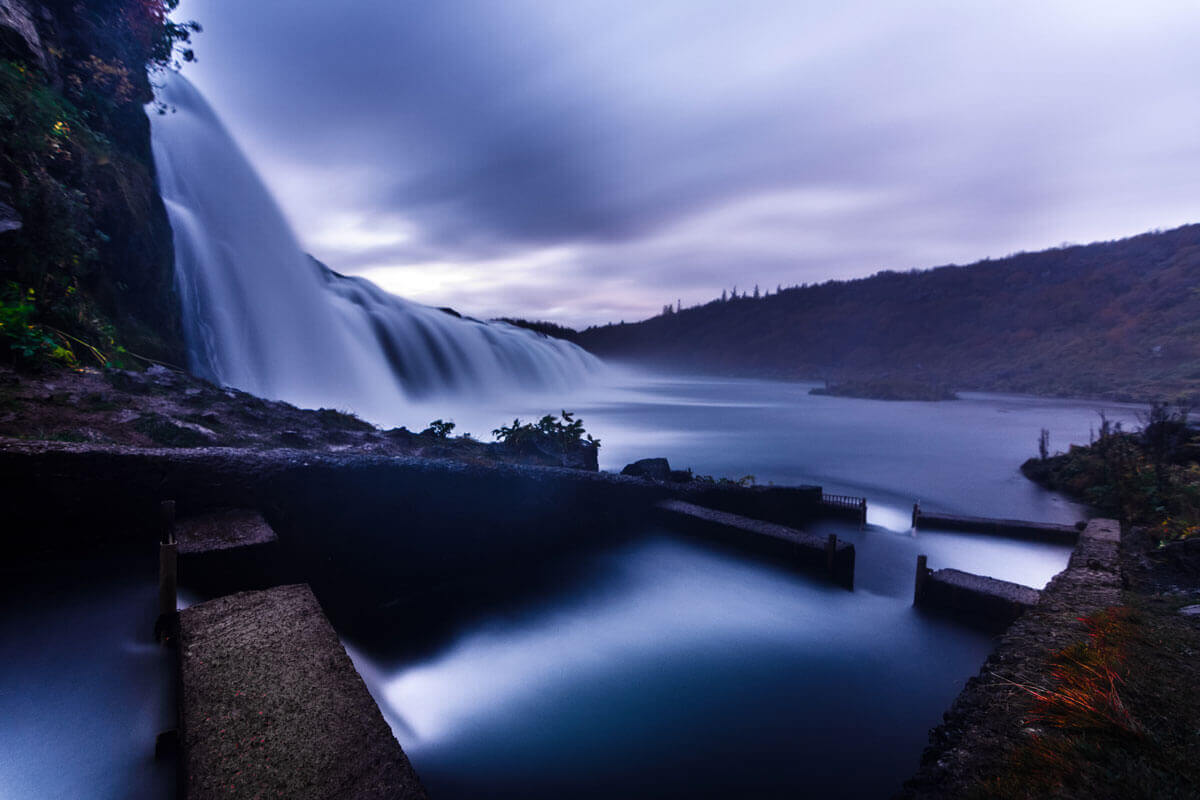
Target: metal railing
(843,501)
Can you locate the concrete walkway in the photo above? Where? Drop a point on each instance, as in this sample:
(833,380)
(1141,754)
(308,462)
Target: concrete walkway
(272,706)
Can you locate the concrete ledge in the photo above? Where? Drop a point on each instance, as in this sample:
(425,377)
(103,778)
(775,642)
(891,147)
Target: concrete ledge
(1043,531)
(271,706)
(984,599)
(228,551)
(786,544)
(223,530)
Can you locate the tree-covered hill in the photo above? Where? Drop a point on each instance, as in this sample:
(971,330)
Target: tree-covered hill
(1118,319)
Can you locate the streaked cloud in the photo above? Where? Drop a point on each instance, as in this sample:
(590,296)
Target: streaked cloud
(593,160)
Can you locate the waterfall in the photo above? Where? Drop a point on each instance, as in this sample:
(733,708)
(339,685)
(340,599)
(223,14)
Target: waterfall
(261,315)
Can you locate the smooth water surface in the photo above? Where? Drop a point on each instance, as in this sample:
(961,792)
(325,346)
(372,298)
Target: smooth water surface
(671,669)
(956,456)
(84,689)
(680,672)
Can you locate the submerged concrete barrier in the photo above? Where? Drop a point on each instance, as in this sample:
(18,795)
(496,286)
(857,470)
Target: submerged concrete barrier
(271,706)
(788,545)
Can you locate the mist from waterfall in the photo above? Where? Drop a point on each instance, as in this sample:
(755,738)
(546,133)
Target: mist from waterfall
(262,316)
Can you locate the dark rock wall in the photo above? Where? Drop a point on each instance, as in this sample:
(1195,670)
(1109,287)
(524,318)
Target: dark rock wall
(94,242)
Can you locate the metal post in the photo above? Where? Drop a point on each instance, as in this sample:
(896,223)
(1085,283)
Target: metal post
(922,576)
(862,514)
(830,552)
(916,513)
(166,521)
(168,577)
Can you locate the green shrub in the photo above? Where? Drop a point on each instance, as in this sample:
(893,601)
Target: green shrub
(439,429)
(1148,477)
(561,435)
(27,341)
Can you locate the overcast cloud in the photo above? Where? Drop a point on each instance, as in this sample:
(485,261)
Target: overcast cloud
(591,160)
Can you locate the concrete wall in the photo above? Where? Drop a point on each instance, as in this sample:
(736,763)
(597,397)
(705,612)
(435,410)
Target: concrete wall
(419,511)
(420,516)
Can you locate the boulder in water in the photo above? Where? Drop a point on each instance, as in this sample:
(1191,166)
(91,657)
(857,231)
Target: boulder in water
(656,469)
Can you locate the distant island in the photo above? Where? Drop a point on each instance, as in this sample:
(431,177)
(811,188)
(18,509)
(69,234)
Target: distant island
(885,389)
(1117,319)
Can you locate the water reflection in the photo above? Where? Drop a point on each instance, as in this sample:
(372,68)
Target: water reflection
(677,671)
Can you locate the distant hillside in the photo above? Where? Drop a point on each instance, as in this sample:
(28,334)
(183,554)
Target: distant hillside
(1118,319)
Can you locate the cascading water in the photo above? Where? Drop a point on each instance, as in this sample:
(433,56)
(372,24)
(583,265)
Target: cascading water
(262,316)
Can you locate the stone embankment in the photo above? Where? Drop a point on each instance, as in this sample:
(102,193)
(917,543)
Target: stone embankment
(987,718)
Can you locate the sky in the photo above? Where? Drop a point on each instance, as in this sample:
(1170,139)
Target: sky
(587,161)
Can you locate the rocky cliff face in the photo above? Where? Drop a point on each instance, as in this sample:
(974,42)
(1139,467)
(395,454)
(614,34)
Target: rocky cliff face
(86,257)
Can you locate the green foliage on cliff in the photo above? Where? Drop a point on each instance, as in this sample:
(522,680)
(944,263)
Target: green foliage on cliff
(27,341)
(92,259)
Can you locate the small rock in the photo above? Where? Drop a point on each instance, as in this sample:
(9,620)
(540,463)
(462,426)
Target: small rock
(656,469)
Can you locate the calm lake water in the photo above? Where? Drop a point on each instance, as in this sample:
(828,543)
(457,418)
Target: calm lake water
(670,669)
